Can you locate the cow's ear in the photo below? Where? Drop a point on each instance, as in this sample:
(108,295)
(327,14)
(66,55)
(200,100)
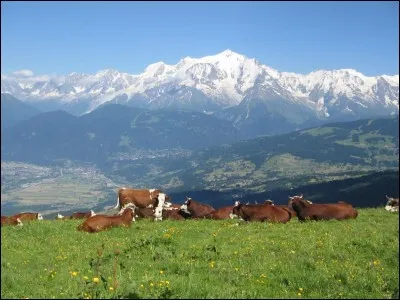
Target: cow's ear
(301,196)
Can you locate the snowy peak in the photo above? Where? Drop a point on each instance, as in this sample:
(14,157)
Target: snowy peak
(221,80)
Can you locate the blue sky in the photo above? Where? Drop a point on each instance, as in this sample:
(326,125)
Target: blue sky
(64,37)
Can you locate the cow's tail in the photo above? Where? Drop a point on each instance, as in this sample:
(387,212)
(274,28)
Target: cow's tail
(117,206)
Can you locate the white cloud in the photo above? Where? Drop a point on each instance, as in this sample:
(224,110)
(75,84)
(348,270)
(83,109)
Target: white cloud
(23,73)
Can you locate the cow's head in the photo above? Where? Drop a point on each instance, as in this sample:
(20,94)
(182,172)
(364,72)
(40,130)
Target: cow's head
(392,201)
(184,206)
(298,200)
(235,211)
(131,213)
(19,222)
(40,217)
(129,205)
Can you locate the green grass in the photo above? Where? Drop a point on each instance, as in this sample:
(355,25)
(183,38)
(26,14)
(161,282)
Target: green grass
(204,259)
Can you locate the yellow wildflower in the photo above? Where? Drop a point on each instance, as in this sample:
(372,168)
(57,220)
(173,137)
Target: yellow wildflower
(74,273)
(111,288)
(151,284)
(161,272)
(300,289)
(96,280)
(85,277)
(167,282)
(298,294)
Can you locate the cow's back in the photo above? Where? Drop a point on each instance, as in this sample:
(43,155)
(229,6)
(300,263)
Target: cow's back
(261,212)
(328,212)
(27,216)
(99,223)
(141,198)
(220,214)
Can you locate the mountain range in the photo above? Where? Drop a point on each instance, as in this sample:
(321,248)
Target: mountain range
(254,97)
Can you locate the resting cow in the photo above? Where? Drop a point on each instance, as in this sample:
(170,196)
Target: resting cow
(143,212)
(291,211)
(10,221)
(261,212)
(29,216)
(221,213)
(78,215)
(103,222)
(307,211)
(140,198)
(195,209)
(174,213)
(392,204)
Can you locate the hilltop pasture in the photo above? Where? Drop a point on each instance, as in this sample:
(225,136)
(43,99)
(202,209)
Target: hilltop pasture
(205,259)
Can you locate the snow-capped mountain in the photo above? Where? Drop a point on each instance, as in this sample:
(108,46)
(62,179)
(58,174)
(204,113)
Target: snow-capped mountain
(228,84)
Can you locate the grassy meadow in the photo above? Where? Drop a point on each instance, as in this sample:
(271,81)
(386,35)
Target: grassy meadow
(204,259)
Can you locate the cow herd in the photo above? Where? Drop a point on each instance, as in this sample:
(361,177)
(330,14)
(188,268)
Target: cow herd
(154,204)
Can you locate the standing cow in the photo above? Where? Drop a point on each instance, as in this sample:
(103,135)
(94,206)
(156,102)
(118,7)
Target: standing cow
(140,198)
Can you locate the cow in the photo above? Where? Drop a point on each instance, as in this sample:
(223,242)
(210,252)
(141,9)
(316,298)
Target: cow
(144,212)
(172,212)
(10,221)
(261,212)
(392,204)
(141,198)
(29,216)
(291,211)
(220,214)
(307,211)
(103,222)
(175,213)
(77,215)
(195,209)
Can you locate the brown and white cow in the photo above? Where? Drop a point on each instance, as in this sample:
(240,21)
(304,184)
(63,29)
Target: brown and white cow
(10,221)
(103,222)
(261,212)
(307,211)
(291,210)
(221,213)
(77,215)
(29,216)
(392,204)
(175,213)
(144,212)
(140,198)
(196,209)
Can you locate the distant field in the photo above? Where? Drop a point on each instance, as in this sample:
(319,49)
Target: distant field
(205,259)
(47,190)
